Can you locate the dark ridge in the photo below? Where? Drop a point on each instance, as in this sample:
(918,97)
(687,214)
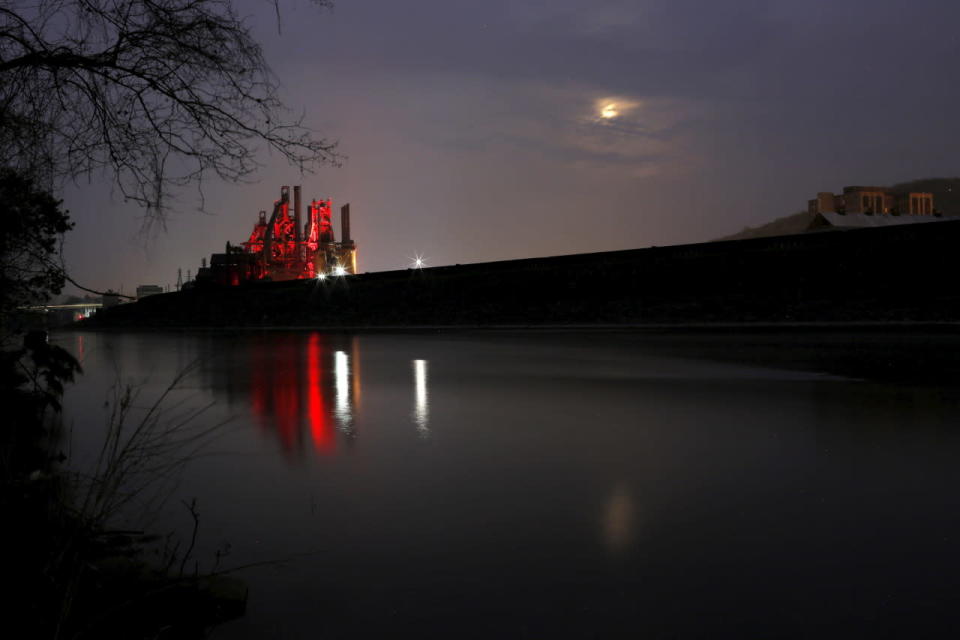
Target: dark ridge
(890,274)
(794,223)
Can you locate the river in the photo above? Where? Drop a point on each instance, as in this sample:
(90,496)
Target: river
(482,485)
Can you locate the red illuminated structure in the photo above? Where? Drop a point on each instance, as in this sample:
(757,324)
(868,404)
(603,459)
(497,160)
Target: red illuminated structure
(285,247)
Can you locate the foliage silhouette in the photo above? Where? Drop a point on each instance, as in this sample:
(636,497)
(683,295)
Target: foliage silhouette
(159,93)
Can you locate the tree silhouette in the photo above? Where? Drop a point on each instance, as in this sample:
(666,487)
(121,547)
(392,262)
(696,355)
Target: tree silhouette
(32,225)
(159,93)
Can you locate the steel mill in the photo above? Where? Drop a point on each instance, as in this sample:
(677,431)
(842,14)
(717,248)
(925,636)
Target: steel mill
(287,246)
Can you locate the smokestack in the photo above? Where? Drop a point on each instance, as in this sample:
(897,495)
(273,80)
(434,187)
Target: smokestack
(296,213)
(345,223)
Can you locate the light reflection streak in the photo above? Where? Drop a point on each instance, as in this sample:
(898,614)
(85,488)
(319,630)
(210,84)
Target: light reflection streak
(619,520)
(341,372)
(355,375)
(421,413)
(320,426)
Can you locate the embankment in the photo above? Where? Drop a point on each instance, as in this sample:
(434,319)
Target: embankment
(904,273)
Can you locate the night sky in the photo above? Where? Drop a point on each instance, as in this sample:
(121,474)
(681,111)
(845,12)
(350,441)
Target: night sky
(473,130)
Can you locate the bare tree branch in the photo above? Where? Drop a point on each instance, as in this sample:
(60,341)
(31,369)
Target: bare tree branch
(161,93)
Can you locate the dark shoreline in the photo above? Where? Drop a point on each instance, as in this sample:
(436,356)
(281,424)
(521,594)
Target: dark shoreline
(890,277)
(893,326)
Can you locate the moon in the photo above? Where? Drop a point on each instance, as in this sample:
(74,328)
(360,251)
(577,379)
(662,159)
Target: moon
(609,111)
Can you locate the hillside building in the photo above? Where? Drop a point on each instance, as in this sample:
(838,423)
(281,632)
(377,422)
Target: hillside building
(873,201)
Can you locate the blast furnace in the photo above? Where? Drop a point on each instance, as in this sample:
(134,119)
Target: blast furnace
(287,247)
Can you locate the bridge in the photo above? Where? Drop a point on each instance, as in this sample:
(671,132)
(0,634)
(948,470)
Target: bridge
(80,310)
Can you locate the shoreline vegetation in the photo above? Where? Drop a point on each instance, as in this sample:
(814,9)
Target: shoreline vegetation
(75,574)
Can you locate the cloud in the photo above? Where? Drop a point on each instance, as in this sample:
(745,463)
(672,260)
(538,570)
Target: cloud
(649,135)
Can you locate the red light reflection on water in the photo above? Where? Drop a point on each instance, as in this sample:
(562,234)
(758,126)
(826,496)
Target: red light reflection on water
(319,418)
(274,389)
(290,390)
(259,384)
(286,410)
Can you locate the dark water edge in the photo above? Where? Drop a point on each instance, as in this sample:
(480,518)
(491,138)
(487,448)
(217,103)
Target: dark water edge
(800,486)
(70,573)
(908,352)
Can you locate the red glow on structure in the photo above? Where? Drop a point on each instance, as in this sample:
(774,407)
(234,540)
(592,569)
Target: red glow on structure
(282,253)
(321,210)
(284,246)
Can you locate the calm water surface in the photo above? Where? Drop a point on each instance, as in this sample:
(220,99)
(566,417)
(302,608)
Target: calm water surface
(578,485)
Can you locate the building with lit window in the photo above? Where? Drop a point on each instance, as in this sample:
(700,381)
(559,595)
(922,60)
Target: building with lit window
(873,201)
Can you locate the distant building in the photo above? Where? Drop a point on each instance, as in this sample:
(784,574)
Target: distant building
(145,290)
(858,207)
(286,245)
(111,298)
(873,201)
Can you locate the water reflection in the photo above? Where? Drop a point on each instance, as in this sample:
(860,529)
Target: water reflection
(306,389)
(421,414)
(343,388)
(321,428)
(302,388)
(619,520)
(276,371)
(762,498)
